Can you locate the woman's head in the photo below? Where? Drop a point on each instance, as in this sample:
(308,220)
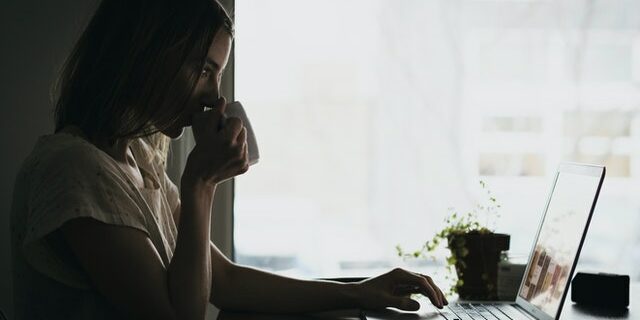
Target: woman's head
(138,68)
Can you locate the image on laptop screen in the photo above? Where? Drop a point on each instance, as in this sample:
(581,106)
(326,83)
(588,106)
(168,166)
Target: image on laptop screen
(559,240)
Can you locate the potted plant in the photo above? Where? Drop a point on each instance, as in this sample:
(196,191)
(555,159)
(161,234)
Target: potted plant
(475,250)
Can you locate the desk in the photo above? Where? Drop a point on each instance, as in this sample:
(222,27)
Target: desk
(334,315)
(570,311)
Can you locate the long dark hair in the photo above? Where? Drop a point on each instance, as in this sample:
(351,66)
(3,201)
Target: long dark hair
(136,65)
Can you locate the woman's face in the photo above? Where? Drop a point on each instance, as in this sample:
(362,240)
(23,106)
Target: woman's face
(207,88)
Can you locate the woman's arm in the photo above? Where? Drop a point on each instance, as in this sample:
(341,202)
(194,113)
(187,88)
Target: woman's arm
(190,267)
(240,288)
(235,287)
(125,267)
(248,289)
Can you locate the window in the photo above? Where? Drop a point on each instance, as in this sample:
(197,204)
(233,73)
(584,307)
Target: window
(375,117)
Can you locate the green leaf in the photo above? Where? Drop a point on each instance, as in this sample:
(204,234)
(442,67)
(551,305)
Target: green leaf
(399,250)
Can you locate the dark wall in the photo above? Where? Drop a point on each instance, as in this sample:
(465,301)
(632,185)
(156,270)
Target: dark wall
(35,38)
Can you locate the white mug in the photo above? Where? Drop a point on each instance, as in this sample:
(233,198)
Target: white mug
(235,109)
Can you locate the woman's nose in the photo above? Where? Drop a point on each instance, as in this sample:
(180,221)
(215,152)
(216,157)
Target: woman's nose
(212,95)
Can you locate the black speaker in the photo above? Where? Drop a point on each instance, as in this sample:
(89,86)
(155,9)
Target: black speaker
(600,290)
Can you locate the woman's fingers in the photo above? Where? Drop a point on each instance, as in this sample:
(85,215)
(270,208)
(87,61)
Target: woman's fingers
(404,303)
(402,290)
(240,155)
(245,152)
(241,148)
(394,289)
(232,128)
(241,138)
(221,144)
(442,296)
(423,286)
(207,124)
(220,106)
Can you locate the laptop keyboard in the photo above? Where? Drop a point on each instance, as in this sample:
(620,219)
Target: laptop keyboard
(472,311)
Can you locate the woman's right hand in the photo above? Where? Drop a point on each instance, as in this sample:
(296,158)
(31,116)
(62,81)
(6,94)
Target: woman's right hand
(221,147)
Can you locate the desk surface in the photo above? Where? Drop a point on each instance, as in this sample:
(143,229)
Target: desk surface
(570,311)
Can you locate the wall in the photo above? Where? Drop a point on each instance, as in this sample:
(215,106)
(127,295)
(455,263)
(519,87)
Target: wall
(36,37)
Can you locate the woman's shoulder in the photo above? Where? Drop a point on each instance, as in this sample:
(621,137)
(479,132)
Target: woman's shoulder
(64,151)
(66,146)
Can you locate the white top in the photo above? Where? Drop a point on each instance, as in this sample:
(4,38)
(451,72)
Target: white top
(66,177)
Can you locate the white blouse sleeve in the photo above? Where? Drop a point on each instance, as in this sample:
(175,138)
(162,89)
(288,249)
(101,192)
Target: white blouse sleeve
(72,183)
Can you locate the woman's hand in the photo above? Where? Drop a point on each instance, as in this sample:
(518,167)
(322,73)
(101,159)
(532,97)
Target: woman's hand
(221,147)
(393,289)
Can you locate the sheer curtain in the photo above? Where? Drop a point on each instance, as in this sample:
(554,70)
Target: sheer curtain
(374,118)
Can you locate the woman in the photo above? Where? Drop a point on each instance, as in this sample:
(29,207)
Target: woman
(100,232)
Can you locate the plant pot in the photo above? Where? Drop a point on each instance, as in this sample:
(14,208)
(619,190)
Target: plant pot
(476,261)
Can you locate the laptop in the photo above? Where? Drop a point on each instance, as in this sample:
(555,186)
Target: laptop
(555,252)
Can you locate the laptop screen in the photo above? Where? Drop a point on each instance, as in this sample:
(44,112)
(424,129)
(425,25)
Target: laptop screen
(559,240)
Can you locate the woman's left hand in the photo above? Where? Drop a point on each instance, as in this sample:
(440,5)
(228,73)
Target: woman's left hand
(394,289)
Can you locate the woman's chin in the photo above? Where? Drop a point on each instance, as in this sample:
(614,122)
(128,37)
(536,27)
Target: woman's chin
(174,133)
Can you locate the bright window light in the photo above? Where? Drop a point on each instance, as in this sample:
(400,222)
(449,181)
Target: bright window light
(374,117)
